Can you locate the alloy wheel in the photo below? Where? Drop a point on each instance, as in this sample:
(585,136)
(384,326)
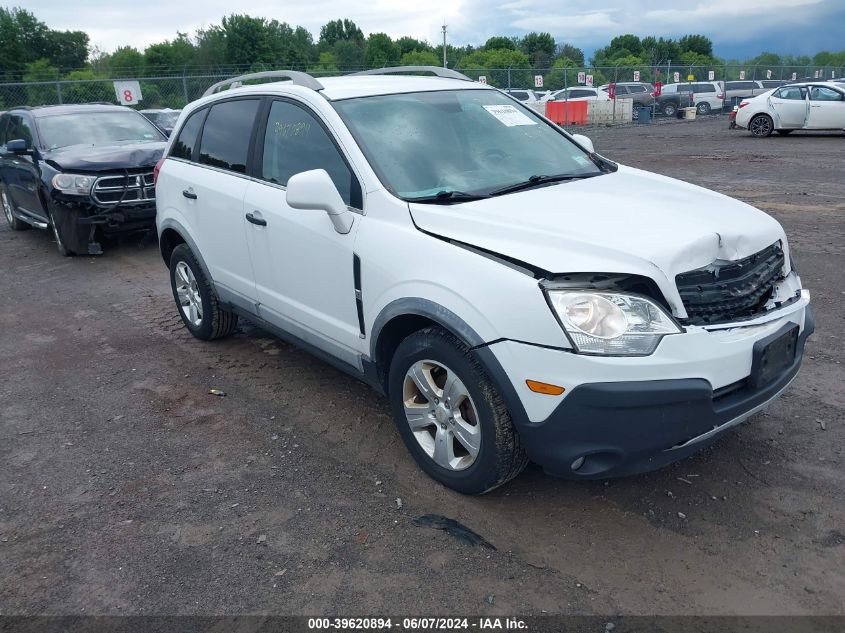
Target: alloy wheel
(441,414)
(190,300)
(761,126)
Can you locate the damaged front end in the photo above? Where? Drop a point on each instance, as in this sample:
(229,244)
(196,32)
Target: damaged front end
(117,203)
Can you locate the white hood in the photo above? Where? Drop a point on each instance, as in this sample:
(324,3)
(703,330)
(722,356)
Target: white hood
(630,221)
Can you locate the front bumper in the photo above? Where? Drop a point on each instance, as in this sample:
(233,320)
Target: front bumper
(78,220)
(632,426)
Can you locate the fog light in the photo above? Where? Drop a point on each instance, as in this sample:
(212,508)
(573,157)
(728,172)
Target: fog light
(577,463)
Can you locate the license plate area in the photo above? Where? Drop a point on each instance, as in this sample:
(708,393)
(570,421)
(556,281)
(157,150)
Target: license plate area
(773,354)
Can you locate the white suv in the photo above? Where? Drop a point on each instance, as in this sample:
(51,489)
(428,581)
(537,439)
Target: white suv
(516,295)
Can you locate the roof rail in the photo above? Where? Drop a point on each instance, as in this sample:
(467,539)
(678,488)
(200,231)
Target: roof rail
(299,78)
(448,73)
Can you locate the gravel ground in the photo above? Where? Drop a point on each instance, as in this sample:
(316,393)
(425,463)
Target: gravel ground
(125,487)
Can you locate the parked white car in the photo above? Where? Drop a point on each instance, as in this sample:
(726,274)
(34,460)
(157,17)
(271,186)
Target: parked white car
(707,95)
(516,295)
(800,106)
(578,93)
(525,96)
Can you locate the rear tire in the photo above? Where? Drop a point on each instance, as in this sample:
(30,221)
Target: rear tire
(761,125)
(198,305)
(670,109)
(703,108)
(456,426)
(15,223)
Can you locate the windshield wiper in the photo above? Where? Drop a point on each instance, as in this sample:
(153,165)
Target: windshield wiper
(446,197)
(538,180)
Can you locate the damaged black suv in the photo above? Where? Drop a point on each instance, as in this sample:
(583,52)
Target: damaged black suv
(81,169)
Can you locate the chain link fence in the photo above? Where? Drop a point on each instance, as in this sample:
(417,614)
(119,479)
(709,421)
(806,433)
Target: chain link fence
(175,91)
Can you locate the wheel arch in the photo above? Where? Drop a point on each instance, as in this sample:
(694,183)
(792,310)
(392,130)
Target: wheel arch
(402,317)
(170,235)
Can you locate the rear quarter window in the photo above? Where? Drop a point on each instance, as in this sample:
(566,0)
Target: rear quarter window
(226,134)
(185,143)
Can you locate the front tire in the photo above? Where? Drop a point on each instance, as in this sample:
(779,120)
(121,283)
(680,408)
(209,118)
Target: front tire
(450,416)
(61,245)
(703,108)
(15,223)
(761,126)
(198,305)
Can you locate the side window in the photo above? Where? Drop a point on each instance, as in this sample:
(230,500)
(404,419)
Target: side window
(295,141)
(793,93)
(820,93)
(19,128)
(184,145)
(635,89)
(522,96)
(621,90)
(4,122)
(226,134)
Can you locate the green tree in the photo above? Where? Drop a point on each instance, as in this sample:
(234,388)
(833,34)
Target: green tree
(700,44)
(380,51)
(66,49)
(41,93)
(126,61)
(500,42)
(539,47)
(210,47)
(659,51)
(170,56)
(495,63)
(340,30)
(420,58)
(349,54)
(628,42)
(407,44)
(326,63)
(87,86)
(573,53)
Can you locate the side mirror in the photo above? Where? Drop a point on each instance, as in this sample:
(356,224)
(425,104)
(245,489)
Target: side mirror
(315,190)
(584,141)
(18,146)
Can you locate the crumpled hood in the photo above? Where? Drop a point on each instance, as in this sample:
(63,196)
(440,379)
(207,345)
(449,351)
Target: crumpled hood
(630,221)
(89,158)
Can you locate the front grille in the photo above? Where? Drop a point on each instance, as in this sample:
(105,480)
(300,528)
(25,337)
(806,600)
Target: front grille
(138,188)
(728,291)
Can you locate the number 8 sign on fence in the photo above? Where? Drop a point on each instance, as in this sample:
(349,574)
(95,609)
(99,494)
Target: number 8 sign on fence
(127,92)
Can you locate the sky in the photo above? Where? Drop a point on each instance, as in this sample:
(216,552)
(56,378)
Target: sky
(738,28)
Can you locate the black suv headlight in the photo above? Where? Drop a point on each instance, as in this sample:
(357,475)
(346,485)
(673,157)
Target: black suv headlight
(73,184)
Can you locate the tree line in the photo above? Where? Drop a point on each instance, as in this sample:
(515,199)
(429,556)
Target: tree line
(32,51)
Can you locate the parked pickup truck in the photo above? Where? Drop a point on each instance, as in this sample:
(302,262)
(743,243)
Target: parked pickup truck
(669,103)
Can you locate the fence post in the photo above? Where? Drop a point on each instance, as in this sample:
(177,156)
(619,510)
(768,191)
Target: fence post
(615,79)
(59,91)
(566,96)
(509,78)
(185,88)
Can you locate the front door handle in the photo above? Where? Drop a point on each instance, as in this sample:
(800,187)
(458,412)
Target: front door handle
(257,221)
(189,193)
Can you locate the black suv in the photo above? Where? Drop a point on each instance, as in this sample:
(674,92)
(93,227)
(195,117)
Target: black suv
(78,169)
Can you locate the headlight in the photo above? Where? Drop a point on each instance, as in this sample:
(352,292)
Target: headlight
(611,323)
(73,184)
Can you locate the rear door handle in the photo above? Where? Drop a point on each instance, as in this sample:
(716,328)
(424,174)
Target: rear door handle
(257,221)
(189,193)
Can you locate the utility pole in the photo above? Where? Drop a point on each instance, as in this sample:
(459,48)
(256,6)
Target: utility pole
(444,43)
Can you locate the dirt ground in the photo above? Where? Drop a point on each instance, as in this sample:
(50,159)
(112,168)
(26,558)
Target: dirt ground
(125,487)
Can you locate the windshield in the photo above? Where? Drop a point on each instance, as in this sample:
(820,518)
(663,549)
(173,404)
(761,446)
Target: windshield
(475,142)
(165,119)
(95,128)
